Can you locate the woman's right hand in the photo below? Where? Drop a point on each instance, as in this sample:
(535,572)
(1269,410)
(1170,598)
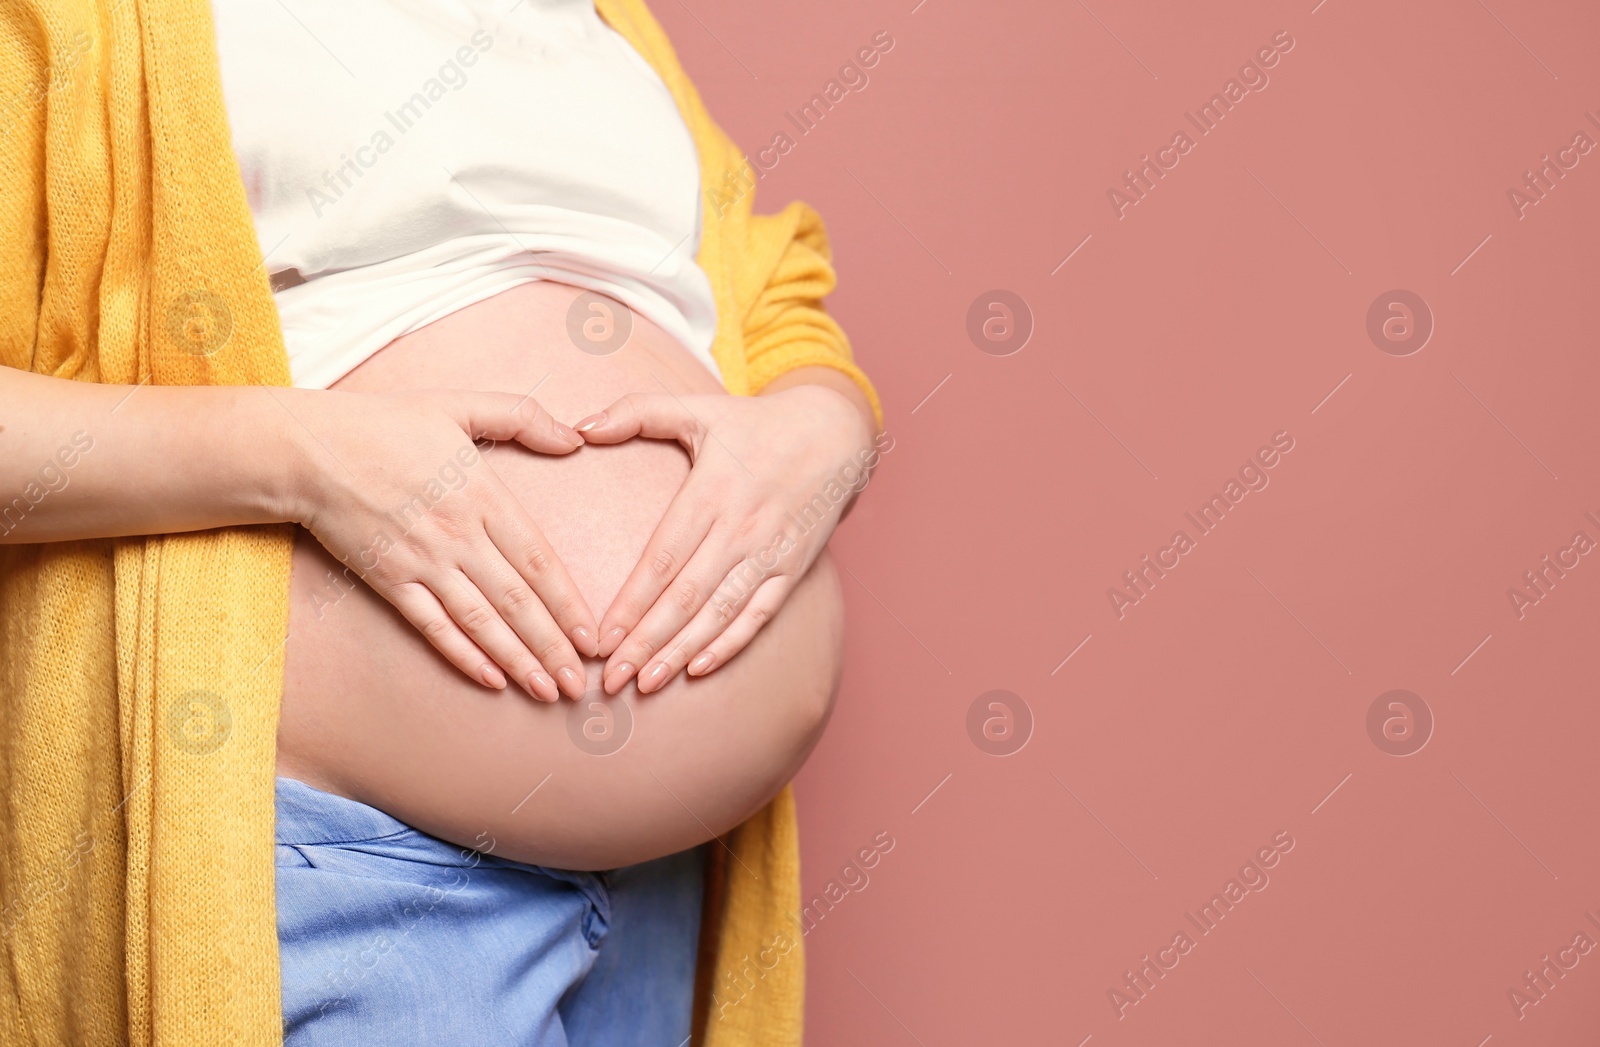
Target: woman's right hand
(395,488)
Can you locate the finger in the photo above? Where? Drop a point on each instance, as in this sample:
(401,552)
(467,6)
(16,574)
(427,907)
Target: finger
(524,547)
(683,527)
(682,599)
(506,416)
(724,608)
(478,618)
(757,612)
(520,607)
(428,616)
(655,416)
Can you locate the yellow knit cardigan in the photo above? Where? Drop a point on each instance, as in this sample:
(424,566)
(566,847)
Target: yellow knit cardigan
(136,867)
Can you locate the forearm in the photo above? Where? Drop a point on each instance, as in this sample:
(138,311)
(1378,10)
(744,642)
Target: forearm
(828,378)
(837,381)
(84,460)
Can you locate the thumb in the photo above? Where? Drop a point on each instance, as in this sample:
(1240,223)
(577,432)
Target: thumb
(655,416)
(506,416)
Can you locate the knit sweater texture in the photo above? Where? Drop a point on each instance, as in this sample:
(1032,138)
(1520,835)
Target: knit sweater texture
(140,677)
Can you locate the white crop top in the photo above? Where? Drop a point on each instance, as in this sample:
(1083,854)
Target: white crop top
(406,158)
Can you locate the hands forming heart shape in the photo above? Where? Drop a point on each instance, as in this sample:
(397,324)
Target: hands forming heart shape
(469,568)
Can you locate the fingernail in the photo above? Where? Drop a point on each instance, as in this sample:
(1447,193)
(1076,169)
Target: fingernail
(585,641)
(653,677)
(618,676)
(544,688)
(571,682)
(590,422)
(492,677)
(567,434)
(702,664)
(609,644)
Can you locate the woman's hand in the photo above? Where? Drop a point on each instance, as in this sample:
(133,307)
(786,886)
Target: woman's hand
(771,477)
(395,488)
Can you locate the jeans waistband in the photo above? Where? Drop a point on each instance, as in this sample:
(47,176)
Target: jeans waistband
(311,816)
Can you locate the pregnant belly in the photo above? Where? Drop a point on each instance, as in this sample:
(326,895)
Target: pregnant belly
(372,713)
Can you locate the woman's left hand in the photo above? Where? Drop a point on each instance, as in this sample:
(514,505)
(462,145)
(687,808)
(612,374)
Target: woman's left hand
(771,476)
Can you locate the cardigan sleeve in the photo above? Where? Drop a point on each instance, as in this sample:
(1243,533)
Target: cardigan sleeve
(27,81)
(787,326)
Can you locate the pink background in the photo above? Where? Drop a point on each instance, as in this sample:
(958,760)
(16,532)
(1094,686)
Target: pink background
(1231,703)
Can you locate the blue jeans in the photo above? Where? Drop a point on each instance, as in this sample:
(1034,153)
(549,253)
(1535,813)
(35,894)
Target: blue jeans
(390,936)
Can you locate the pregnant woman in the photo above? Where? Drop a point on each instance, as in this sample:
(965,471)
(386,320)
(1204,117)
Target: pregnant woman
(509,674)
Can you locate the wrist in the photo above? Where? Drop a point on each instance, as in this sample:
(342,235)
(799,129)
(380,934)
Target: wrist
(293,461)
(835,381)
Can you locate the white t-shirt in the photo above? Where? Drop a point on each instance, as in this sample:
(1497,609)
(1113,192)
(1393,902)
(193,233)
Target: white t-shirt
(407,158)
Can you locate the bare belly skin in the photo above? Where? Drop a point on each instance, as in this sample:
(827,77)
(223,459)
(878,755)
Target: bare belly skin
(372,713)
